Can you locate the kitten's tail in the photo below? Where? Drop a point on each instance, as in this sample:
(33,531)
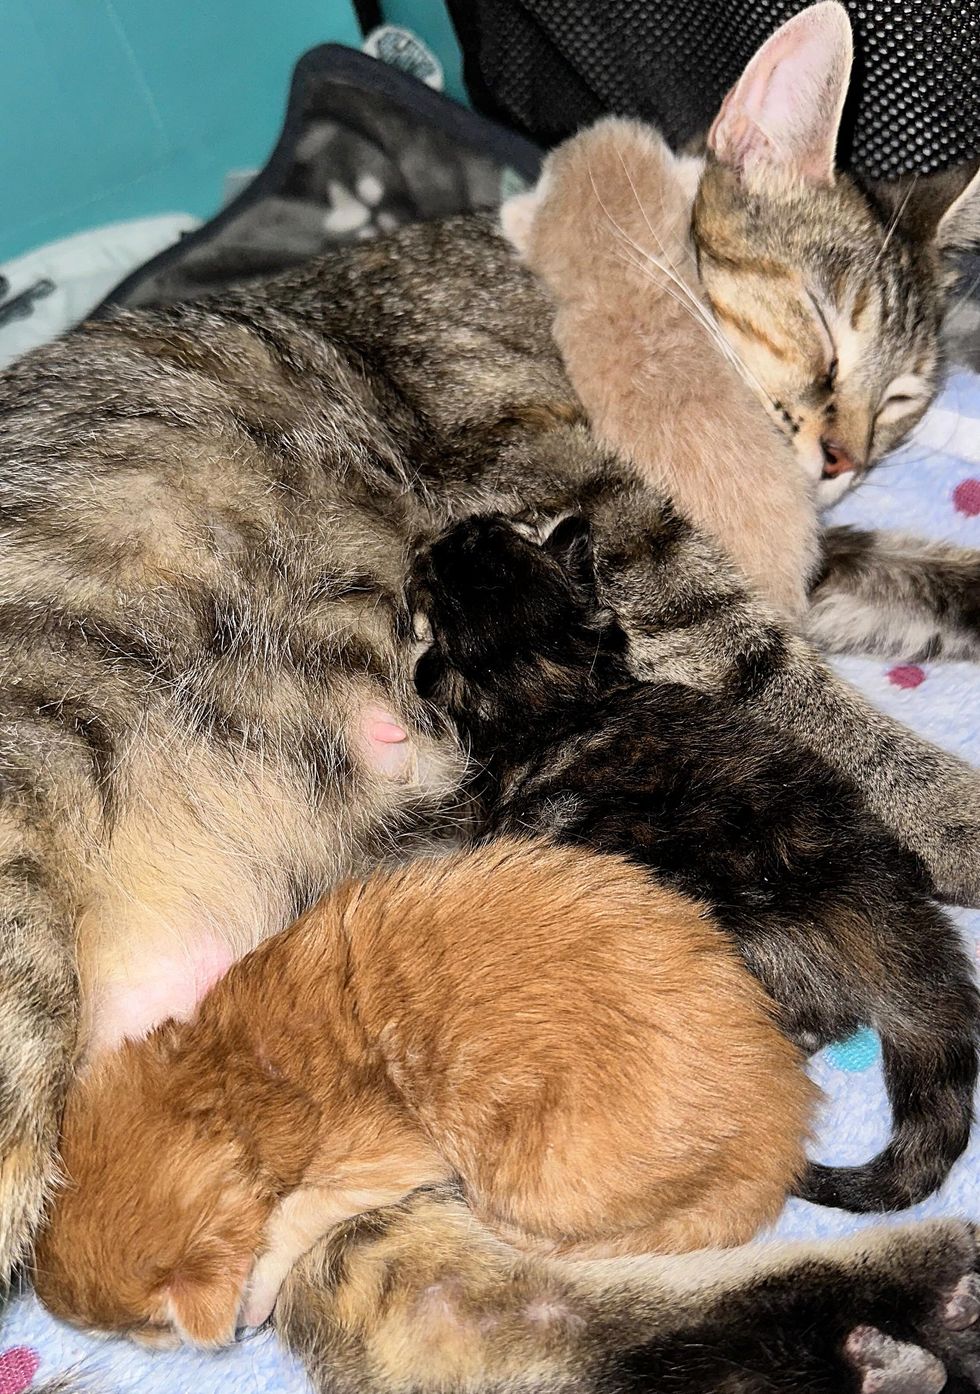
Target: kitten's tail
(929,1058)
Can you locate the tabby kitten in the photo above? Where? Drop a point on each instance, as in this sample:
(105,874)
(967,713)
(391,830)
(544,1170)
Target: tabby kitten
(828,910)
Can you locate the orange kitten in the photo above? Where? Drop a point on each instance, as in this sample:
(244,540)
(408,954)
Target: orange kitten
(578,1045)
(608,230)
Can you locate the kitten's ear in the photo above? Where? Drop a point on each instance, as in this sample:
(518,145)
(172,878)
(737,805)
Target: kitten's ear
(517,213)
(959,227)
(517,217)
(784,112)
(203,1294)
(942,209)
(570,543)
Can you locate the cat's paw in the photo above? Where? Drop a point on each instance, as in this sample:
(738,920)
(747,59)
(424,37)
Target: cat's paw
(887,1366)
(951,856)
(950,1328)
(921,1301)
(889,1312)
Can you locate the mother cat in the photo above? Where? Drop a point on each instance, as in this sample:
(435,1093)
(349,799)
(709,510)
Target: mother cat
(207,514)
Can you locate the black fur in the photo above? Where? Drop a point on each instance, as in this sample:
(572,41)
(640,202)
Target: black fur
(828,910)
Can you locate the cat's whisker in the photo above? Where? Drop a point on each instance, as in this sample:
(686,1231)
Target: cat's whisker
(893,223)
(687,301)
(697,308)
(706,323)
(653,232)
(690,301)
(667,289)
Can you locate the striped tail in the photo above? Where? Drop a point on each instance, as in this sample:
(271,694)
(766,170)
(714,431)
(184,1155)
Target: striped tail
(928,1036)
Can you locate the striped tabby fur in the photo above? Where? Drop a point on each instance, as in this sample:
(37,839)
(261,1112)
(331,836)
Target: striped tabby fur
(897,596)
(207,517)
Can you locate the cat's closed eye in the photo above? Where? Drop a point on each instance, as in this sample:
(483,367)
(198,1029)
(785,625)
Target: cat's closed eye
(902,396)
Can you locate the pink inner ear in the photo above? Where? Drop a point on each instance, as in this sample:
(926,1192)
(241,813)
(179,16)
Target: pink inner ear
(784,111)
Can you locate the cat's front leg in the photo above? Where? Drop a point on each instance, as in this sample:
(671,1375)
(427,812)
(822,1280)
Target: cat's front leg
(305,1216)
(311,1211)
(690,619)
(895,596)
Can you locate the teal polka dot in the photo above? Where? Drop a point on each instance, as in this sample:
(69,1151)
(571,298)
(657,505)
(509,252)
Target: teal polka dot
(858,1052)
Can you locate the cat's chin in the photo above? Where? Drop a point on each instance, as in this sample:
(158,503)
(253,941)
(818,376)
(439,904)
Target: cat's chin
(827,489)
(830,490)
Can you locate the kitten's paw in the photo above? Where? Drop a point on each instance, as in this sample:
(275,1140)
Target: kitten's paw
(962,1309)
(260,1298)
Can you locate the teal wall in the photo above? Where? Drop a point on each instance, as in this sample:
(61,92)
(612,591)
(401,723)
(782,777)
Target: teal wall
(119,108)
(122,108)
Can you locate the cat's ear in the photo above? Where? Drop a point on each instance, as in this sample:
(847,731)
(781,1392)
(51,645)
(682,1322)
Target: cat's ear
(942,209)
(517,218)
(202,1295)
(958,229)
(784,112)
(570,543)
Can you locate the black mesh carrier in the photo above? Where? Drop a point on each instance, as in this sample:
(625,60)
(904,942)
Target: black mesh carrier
(548,67)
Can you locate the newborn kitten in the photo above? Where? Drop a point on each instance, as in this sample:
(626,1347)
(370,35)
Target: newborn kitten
(826,908)
(577,1045)
(608,231)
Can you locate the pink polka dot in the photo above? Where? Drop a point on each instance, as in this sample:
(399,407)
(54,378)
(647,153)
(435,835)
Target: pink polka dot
(966,497)
(906,675)
(18,1366)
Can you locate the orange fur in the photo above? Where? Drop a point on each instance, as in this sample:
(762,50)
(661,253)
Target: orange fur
(608,231)
(579,1045)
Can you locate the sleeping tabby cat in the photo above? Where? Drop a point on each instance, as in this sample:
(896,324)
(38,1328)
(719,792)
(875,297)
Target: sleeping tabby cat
(828,317)
(824,906)
(207,512)
(831,298)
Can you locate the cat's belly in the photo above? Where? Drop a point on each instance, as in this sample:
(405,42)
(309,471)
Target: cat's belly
(169,922)
(169,981)
(219,859)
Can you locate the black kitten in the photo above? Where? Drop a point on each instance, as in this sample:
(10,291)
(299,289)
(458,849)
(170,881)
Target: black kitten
(827,909)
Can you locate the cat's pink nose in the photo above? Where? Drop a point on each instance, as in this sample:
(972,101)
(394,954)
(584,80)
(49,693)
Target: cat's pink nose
(836,460)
